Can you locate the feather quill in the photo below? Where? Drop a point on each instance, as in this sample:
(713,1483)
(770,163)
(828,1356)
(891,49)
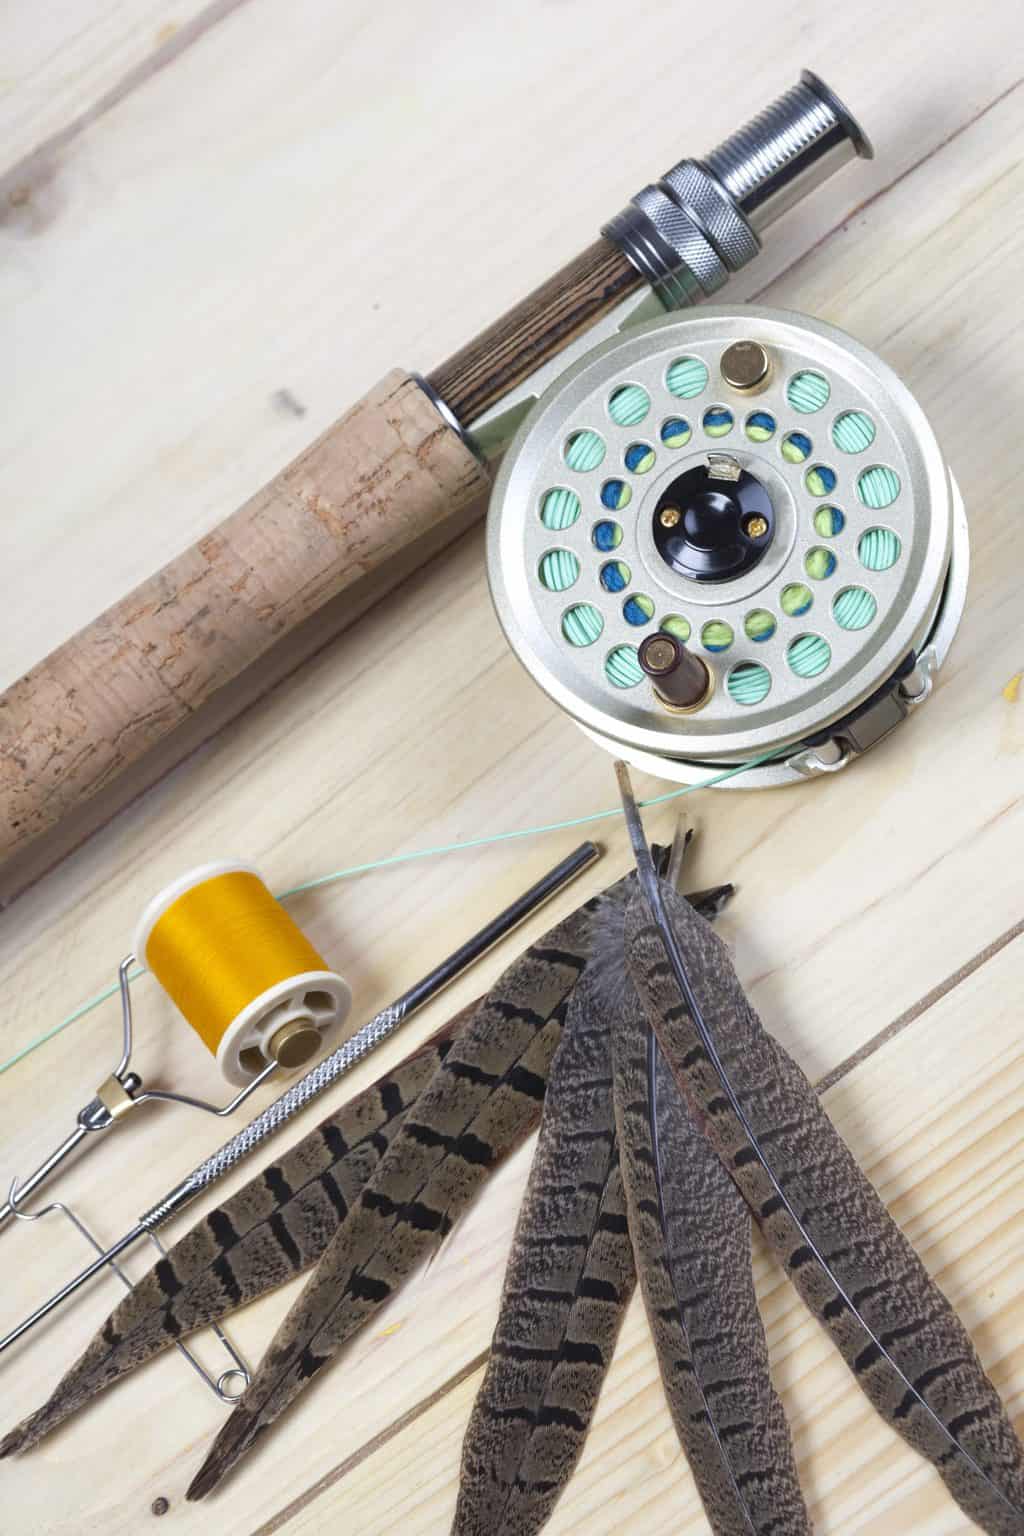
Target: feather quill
(569,1279)
(691,1232)
(901,1338)
(276,1225)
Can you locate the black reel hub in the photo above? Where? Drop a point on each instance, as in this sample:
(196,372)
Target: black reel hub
(714,522)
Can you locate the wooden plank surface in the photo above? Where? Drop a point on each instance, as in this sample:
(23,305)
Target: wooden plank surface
(298,198)
(66,64)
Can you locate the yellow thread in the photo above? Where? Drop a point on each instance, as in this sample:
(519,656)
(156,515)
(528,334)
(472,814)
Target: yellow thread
(221,945)
(1011,692)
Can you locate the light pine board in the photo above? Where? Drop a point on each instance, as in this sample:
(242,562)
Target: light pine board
(275,207)
(67,62)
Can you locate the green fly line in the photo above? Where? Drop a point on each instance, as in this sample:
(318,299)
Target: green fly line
(405,858)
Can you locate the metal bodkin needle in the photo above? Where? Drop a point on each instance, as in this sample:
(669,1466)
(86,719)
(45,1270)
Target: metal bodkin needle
(323,1075)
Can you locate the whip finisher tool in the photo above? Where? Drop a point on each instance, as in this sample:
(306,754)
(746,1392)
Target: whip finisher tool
(393,480)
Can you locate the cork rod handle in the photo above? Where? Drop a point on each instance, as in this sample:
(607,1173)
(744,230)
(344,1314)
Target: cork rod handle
(390,471)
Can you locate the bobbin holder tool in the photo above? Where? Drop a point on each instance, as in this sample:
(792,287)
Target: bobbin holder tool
(122,1091)
(321,1077)
(394,480)
(242,974)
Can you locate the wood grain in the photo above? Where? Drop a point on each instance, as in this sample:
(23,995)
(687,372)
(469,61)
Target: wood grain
(217,266)
(66,65)
(206,247)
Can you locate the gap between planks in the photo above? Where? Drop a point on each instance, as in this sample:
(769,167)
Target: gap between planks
(371,1447)
(913,1013)
(387,1434)
(24,170)
(192,32)
(830,1079)
(216,12)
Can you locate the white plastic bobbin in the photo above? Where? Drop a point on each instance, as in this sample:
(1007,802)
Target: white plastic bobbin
(286,1021)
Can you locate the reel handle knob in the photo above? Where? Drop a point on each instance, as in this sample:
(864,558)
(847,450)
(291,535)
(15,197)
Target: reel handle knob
(681,680)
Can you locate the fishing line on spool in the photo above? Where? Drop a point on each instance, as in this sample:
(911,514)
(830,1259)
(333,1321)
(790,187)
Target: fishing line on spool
(796,529)
(98,998)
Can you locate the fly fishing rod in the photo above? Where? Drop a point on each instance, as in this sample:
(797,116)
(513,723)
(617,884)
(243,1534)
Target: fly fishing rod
(397,476)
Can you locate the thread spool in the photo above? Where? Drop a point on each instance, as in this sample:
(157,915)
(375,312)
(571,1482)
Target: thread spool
(240,971)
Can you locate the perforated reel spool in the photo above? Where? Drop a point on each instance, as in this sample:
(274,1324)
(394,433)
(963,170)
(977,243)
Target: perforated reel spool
(842,564)
(240,970)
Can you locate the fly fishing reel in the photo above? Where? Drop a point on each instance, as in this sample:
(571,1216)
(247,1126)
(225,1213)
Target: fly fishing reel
(727,535)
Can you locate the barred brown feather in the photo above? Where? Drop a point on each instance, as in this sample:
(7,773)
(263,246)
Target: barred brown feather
(691,1232)
(481,1101)
(275,1226)
(569,1278)
(901,1338)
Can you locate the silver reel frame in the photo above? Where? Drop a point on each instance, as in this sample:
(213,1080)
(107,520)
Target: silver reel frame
(866,704)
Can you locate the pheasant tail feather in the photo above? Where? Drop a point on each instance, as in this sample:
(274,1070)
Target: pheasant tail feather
(691,1233)
(569,1278)
(275,1226)
(901,1338)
